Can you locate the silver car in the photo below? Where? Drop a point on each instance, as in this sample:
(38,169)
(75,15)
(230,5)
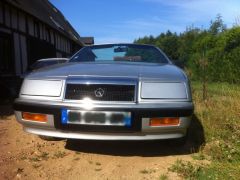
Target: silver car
(108,92)
(46,62)
(41,63)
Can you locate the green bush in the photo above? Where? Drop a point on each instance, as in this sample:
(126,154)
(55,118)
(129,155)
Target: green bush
(218,46)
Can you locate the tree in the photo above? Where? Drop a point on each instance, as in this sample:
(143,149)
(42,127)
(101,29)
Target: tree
(217,26)
(211,54)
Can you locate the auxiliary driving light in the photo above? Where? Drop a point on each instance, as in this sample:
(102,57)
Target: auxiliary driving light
(164,121)
(34,117)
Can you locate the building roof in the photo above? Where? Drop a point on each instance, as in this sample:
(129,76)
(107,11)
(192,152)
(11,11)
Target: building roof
(87,40)
(49,14)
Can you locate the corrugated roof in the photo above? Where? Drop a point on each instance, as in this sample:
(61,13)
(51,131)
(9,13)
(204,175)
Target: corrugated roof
(48,13)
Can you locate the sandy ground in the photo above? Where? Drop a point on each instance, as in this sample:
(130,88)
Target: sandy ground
(27,156)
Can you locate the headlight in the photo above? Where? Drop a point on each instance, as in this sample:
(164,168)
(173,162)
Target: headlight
(152,90)
(34,87)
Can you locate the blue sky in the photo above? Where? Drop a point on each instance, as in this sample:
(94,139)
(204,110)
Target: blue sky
(110,21)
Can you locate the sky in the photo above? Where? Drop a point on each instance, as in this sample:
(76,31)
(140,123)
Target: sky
(119,21)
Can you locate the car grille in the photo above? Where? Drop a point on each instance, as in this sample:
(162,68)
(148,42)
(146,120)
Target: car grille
(100,92)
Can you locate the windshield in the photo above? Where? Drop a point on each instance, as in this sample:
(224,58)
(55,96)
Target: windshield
(120,52)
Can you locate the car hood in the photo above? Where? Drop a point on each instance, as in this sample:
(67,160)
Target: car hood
(133,70)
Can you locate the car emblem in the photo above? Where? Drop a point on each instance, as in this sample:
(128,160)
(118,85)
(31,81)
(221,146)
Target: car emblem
(99,92)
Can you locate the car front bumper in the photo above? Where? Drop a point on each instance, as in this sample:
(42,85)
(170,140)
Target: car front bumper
(140,129)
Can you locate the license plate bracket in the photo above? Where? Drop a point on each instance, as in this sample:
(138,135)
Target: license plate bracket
(97,118)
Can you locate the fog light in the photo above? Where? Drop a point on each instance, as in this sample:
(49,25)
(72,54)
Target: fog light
(165,121)
(34,117)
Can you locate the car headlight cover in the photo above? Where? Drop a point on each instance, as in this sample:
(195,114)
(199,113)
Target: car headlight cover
(35,87)
(163,90)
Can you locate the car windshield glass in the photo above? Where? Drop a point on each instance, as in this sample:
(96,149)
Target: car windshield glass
(120,52)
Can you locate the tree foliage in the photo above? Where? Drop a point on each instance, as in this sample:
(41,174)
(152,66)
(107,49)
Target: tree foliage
(212,54)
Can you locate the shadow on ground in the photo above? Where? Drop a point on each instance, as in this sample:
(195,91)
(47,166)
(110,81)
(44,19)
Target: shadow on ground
(9,89)
(143,148)
(6,109)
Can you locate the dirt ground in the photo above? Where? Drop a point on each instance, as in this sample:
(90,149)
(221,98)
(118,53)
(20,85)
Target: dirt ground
(27,156)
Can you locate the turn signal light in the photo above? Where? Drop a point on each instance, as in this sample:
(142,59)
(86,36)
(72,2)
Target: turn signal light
(165,121)
(34,117)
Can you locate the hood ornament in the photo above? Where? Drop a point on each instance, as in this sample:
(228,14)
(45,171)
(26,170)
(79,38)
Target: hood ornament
(99,92)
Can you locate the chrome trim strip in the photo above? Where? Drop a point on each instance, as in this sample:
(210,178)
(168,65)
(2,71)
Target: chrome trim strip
(97,80)
(152,105)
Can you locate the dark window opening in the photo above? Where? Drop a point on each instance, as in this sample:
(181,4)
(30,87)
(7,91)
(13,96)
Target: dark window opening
(38,49)
(36,29)
(7,65)
(48,35)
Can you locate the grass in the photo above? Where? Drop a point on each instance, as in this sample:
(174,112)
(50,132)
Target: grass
(36,166)
(60,154)
(35,159)
(20,170)
(90,162)
(76,159)
(186,169)
(98,163)
(147,171)
(44,156)
(40,157)
(163,177)
(98,169)
(23,158)
(219,115)
(144,171)
(214,171)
